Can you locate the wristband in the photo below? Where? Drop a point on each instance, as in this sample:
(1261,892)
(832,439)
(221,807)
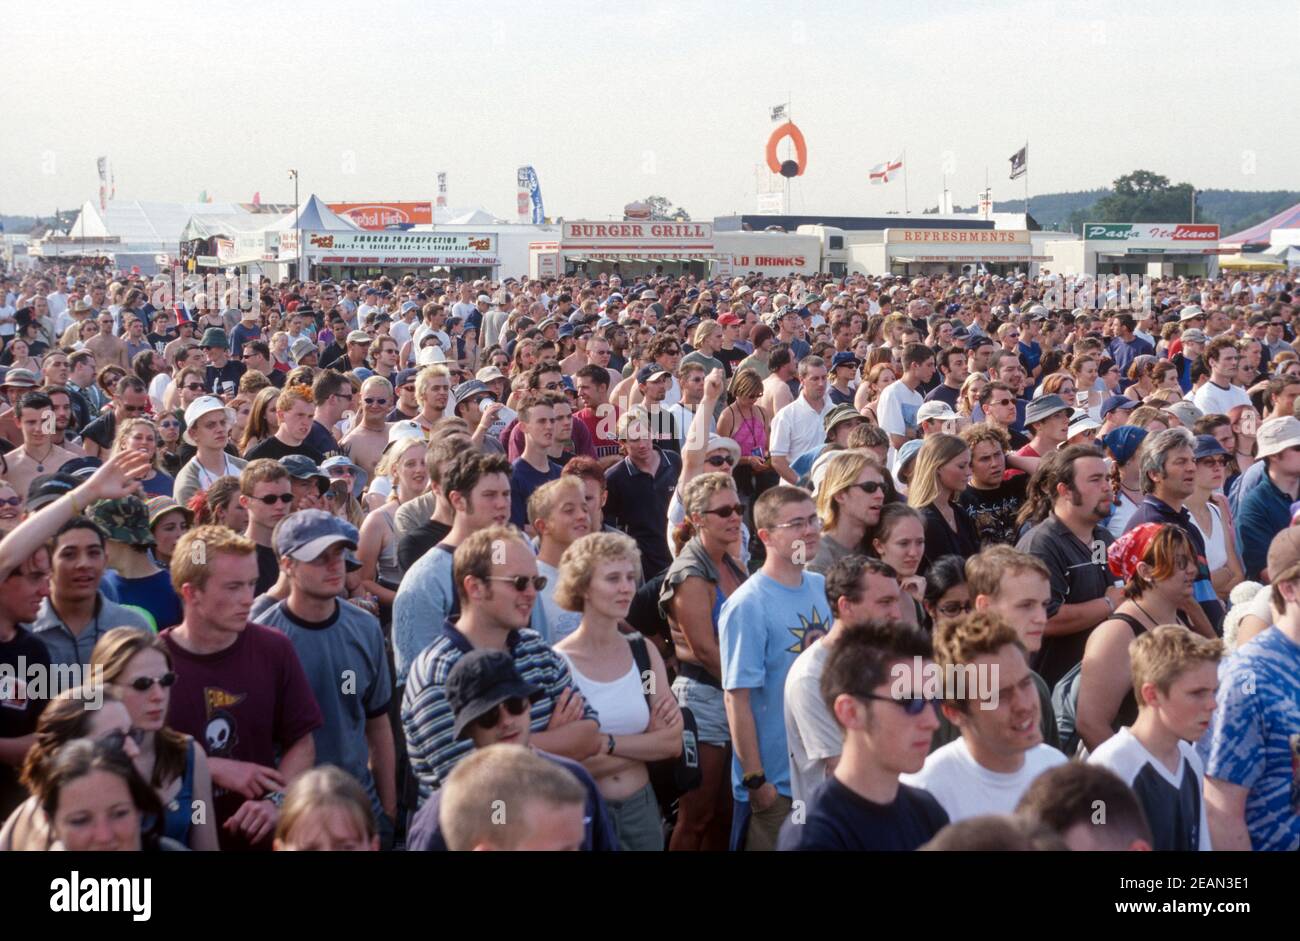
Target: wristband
(76,509)
(1110,604)
(609,748)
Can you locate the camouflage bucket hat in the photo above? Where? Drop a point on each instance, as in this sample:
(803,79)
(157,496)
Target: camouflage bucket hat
(125,520)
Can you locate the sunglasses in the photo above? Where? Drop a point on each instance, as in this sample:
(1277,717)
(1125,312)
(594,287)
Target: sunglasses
(520,582)
(11,501)
(135,409)
(955,609)
(725,512)
(376,401)
(117,740)
(870,486)
(515,705)
(143,684)
(913,706)
(195,386)
(720,459)
(270,499)
(1217,461)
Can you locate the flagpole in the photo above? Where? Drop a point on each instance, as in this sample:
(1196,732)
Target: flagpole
(905,209)
(1026,182)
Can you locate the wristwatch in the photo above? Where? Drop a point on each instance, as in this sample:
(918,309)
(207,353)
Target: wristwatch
(752,782)
(275,797)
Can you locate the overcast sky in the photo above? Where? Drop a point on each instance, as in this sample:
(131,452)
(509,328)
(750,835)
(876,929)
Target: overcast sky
(614,101)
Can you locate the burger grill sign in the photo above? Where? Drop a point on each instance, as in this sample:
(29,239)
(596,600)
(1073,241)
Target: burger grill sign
(1149,232)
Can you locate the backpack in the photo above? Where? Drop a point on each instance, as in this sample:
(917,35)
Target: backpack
(1065,701)
(670,777)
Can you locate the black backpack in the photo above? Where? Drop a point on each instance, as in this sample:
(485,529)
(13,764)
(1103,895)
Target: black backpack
(670,777)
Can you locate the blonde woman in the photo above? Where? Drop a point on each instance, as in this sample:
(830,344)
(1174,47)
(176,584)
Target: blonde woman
(747,423)
(404,466)
(864,400)
(941,473)
(969,396)
(280,357)
(139,434)
(639,716)
(702,576)
(326,810)
(849,497)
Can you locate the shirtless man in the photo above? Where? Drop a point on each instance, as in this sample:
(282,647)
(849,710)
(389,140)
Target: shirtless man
(38,454)
(776,387)
(365,443)
(432,390)
(106,347)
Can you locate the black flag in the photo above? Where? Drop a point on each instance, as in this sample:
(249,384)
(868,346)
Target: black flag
(1020,162)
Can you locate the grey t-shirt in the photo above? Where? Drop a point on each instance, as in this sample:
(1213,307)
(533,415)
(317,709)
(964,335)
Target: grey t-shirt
(828,553)
(346,665)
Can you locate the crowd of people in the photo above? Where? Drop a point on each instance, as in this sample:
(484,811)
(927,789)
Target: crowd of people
(648,563)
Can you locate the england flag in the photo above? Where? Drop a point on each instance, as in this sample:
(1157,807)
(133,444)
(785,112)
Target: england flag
(884,172)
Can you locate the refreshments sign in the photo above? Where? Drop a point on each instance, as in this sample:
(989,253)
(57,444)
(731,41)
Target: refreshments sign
(1150,232)
(958,236)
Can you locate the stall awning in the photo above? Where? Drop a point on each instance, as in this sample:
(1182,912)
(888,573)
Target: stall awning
(970,259)
(1255,262)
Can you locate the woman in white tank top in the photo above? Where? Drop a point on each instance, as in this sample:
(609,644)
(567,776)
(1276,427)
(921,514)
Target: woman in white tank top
(598,577)
(1212,517)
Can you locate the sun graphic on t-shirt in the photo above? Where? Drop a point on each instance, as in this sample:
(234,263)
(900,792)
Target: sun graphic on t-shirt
(809,630)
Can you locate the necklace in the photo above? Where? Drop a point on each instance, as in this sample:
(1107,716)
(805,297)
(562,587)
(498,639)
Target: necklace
(40,464)
(1146,614)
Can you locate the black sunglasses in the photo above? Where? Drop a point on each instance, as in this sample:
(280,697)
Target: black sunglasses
(270,498)
(870,486)
(195,386)
(143,684)
(719,459)
(11,501)
(376,401)
(520,582)
(515,705)
(913,706)
(116,741)
(724,512)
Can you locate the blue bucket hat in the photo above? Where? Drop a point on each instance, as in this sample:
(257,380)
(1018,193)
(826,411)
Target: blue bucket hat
(1123,442)
(359,476)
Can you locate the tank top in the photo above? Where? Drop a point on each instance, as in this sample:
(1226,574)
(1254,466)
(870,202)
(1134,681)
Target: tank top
(178,817)
(750,434)
(1216,547)
(620,703)
(1128,709)
(386,566)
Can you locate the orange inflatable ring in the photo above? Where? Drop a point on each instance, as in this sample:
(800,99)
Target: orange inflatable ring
(793,167)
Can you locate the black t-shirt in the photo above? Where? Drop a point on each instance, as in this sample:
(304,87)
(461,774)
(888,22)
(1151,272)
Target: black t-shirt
(415,543)
(840,819)
(942,540)
(18,714)
(944,393)
(321,440)
(1079,573)
(275,449)
(729,359)
(102,430)
(398,415)
(994,511)
(268,569)
(214,378)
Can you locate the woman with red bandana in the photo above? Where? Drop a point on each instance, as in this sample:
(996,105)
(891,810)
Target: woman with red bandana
(1157,563)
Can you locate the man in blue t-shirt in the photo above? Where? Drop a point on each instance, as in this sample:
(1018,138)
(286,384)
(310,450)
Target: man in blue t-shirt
(762,629)
(873,685)
(534,467)
(1252,793)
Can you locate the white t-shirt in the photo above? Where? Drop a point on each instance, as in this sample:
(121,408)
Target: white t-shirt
(965,788)
(1165,796)
(158,389)
(797,428)
(1216,400)
(896,410)
(811,731)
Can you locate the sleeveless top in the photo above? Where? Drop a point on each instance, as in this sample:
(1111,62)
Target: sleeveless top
(178,815)
(1128,709)
(750,433)
(620,703)
(386,566)
(1216,547)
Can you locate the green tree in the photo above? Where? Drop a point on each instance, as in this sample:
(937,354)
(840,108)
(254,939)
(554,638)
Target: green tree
(1143,196)
(662,210)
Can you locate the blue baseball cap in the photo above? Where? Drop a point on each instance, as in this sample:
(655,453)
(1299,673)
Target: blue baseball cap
(976,340)
(306,534)
(1123,442)
(906,453)
(1117,401)
(844,359)
(650,372)
(1207,446)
